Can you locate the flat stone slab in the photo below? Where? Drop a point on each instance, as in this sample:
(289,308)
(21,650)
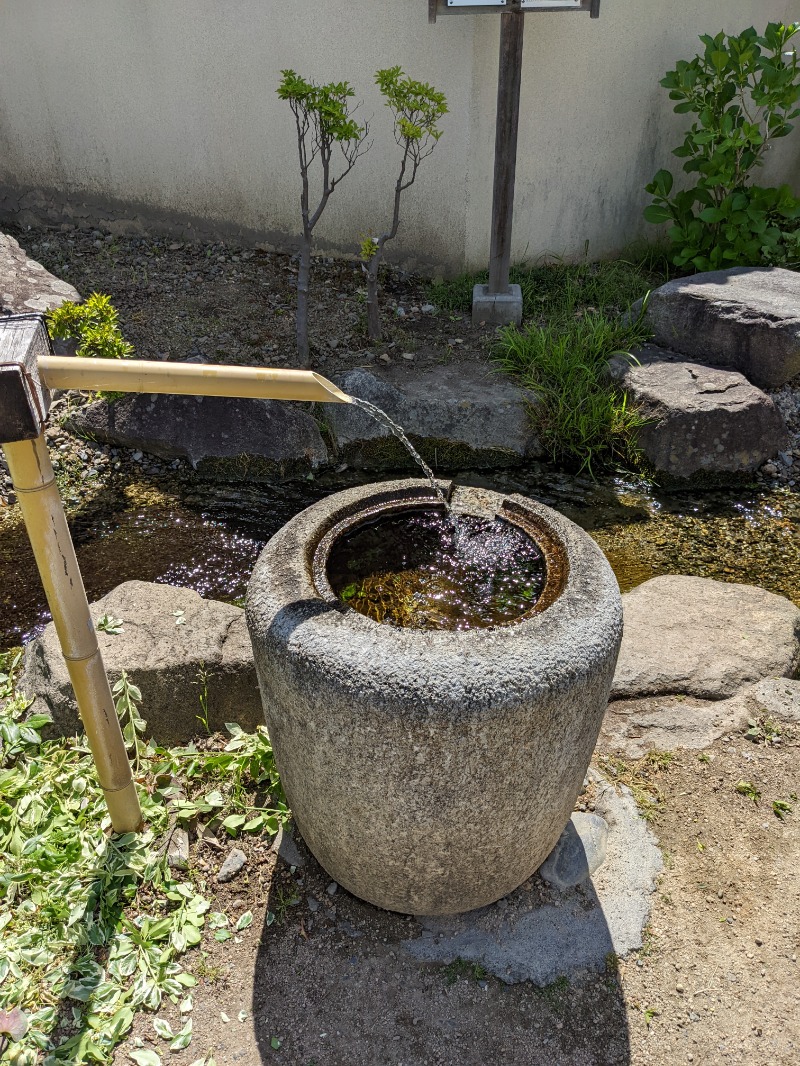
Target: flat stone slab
(175,646)
(700,419)
(665,723)
(539,933)
(747,318)
(224,437)
(25,285)
(693,636)
(459,415)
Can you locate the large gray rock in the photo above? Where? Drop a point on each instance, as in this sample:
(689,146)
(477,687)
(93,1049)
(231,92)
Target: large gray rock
(221,436)
(747,318)
(697,637)
(25,285)
(700,419)
(459,415)
(174,658)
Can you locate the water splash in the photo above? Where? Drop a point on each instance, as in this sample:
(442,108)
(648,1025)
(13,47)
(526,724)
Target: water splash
(384,420)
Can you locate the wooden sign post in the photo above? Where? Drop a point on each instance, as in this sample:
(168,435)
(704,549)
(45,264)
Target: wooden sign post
(499,302)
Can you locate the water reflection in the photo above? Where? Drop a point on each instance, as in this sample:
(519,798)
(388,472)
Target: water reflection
(209,537)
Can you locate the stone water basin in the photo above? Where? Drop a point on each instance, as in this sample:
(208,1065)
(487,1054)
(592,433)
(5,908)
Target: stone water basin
(431,772)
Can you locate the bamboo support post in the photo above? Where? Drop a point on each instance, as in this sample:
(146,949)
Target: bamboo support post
(46,523)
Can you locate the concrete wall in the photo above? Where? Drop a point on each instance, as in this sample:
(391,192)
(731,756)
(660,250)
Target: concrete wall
(155,113)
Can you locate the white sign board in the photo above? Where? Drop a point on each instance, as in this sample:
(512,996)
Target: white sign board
(476,3)
(550,3)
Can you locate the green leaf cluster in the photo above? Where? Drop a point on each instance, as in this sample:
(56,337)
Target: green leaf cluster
(327,105)
(94,925)
(416,105)
(94,324)
(743,91)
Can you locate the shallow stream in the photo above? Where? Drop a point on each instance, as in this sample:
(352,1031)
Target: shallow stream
(208,537)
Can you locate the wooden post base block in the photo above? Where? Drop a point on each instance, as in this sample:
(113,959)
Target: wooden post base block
(496,308)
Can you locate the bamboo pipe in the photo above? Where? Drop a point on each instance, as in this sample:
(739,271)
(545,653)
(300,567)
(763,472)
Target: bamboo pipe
(42,510)
(188,379)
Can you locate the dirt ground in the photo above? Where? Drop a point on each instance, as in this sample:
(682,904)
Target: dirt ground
(327,982)
(229,304)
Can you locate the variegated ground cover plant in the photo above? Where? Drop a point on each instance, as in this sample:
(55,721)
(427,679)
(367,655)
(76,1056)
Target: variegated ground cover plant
(95,926)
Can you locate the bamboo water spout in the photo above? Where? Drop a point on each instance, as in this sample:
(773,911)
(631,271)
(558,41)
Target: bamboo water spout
(28,371)
(187,379)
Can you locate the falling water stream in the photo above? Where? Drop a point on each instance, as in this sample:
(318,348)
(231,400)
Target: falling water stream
(384,420)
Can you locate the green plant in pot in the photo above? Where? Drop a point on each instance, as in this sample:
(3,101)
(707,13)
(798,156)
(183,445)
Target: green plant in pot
(743,91)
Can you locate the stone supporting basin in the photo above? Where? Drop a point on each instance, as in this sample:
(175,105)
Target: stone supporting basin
(431,772)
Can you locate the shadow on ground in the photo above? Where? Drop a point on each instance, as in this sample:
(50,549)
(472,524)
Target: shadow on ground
(335,984)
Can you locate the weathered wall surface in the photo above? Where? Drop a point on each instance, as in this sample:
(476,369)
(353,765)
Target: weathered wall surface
(145,113)
(597,124)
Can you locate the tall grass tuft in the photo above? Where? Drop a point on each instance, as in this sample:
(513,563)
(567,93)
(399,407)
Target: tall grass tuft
(583,418)
(574,322)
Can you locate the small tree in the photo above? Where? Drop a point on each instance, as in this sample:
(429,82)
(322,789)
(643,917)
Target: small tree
(416,107)
(324,122)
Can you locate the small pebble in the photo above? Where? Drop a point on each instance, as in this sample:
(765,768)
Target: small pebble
(178,853)
(332,888)
(232,866)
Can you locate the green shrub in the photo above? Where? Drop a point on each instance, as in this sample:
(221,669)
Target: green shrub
(94,324)
(743,91)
